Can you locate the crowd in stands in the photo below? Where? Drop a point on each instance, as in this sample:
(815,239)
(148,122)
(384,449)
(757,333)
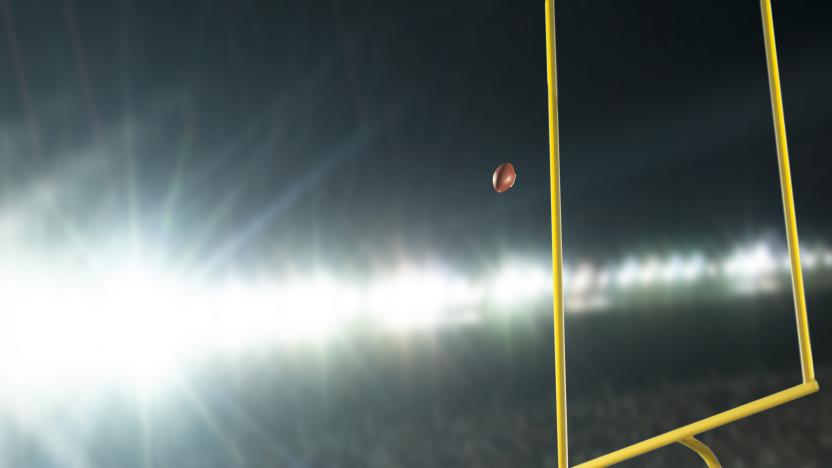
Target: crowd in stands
(497,434)
(797,435)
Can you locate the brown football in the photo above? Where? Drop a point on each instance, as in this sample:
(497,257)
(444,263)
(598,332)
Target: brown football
(504,177)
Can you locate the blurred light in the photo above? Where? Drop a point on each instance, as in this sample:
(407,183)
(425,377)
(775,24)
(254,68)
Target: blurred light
(604,278)
(313,308)
(750,262)
(693,268)
(81,329)
(587,303)
(649,272)
(135,320)
(412,299)
(516,284)
(628,273)
(673,270)
(582,280)
(809,260)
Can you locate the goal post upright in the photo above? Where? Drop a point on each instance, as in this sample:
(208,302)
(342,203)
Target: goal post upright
(557,249)
(801,315)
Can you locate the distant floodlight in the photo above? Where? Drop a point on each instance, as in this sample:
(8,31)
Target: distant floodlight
(649,272)
(411,299)
(752,262)
(673,270)
(694,268)
(628,273)
(583,279)
(810,260)
(518,283)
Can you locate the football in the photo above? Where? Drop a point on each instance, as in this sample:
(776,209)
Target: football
(504,177)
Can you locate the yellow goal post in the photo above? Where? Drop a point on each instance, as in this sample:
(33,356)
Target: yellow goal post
(684,435)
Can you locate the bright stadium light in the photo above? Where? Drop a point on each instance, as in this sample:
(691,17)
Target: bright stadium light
(411,299)
(604,278)
(134,320)
(628,273)
(751,262)
(312,309)
(810,260)
(146,316)
(672,270)
(649,272)
(693,268)
(587,303)
(517,283)
(60,329)
(460,292)
(582,280)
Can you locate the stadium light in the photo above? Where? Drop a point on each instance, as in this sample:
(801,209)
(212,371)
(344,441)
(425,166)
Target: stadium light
(693,268)
(628,273)
(672,270)
(517,283)
(750,262)
(414,299)
(649,272)
(810,260)
(63,329)
(583,279)
(137,321)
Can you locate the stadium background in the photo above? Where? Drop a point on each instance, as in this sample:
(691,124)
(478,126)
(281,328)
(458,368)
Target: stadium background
(256,234)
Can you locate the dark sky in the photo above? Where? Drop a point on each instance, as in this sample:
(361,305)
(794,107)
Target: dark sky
(356,132)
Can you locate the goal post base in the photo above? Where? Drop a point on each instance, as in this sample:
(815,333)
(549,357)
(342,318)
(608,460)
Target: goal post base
(703,425)
(702,450)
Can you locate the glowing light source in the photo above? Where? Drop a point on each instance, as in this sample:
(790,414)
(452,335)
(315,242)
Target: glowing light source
(518,283)
(672,270)
(628,273)
(134,320)
(810,260)
(583,279)
(84,329)
(411,299)
(694,268)
(649,272)
(750,262)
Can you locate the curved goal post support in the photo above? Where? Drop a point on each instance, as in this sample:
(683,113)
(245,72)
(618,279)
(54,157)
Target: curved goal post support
(684,435)
(702,450)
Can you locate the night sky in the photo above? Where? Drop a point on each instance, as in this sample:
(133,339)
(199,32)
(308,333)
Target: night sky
(233,135)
